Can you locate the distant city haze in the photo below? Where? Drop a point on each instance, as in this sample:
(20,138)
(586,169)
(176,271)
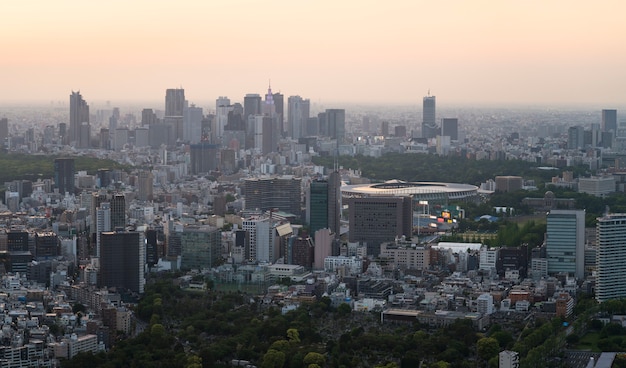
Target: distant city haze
(465,52)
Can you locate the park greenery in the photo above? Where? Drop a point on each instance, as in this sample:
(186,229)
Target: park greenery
(210,329)
(16,166)
(186,329)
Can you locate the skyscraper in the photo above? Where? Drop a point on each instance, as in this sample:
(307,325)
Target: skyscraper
(122,260)
(565,242)
(611,257)
(379,219)
(4,131)
(192,124)
(64,175)
(609,121)
(204,157)
(575,137)
(336,123)
(200,247)
(298,115)
(269,193)
(145,185)
(251,105)
(323,204)
(222,108)
(429,120)
(279,106)
(79,115)
(174,101)
(450,128)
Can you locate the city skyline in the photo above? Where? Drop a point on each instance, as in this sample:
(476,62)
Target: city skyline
(478,52)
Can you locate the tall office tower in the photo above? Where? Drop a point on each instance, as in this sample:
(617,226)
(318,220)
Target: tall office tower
(375,220)
(64,175)
(63,134)
(204,157)
(596,134)
(145,186)
(429,122)
(148,117)
(103,223)
(222,107)
(152,247)
(565,242)
(47,245)
(450,128)
(400,131)
(298,115)
(283,193)
(201,247)
(322,124)
(301,252)
(279,106)
(575,137)
(117,204)
(251,105)
(609,121)
(384,128)
(17,241)
(174,101)
(317,206)
(122,259)
(336,123)
(265,133)
(268,108)
(192,124)
(323,208)
(79,114)
(611,257)
(174,111)
(85,136)
(312,127)
(4,131)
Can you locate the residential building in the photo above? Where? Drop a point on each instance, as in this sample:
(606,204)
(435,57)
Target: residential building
(611,257)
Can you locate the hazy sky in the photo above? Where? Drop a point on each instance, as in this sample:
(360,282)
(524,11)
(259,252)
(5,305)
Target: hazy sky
(465,52)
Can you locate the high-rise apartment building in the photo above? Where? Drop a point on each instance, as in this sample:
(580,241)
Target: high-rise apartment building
(64,175)
(103,223)
(565,242)
(122,260)
(609,121)
(611,257)
(429,119)
(222,108)
(79,116)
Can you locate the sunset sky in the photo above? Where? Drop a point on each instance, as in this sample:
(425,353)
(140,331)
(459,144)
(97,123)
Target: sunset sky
(391,52)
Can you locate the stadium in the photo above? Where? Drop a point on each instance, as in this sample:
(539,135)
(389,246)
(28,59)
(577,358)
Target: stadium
(420,191)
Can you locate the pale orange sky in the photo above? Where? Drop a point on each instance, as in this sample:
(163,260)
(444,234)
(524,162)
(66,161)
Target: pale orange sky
(465,52)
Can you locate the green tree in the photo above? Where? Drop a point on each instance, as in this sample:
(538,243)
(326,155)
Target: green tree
(487,348)
(273,359)
(314,358)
